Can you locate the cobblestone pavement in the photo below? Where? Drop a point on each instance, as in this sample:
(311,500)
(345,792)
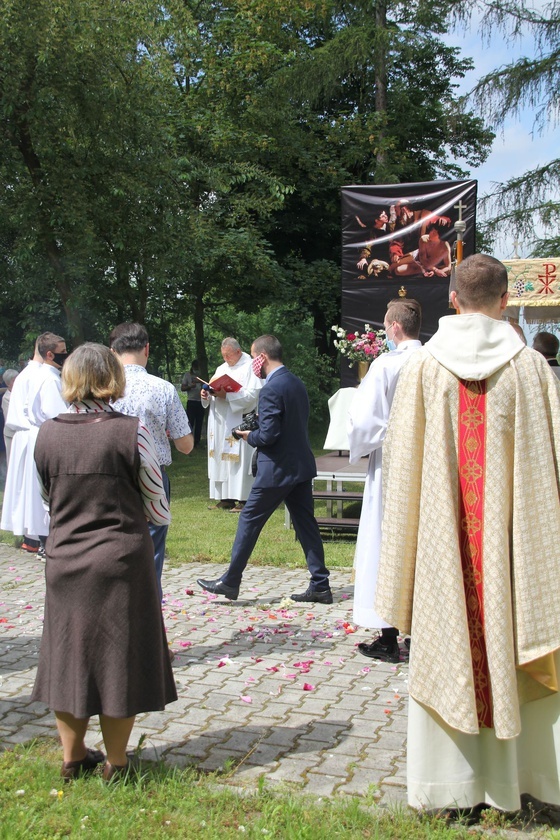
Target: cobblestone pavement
(266,686)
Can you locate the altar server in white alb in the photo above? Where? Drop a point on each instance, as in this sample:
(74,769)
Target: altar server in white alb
(367,425)
(229,459)
(35,398)
(470,555)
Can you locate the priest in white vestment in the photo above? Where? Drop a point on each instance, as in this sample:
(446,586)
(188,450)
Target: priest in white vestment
(470,557)
(367,425)
(37,399)
(229,459)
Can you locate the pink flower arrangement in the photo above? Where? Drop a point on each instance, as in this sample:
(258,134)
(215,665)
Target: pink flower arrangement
(360,347)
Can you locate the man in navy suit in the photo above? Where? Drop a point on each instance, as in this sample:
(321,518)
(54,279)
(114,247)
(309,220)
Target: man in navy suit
(285,469)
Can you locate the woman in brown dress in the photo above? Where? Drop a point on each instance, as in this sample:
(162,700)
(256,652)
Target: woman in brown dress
(104,650)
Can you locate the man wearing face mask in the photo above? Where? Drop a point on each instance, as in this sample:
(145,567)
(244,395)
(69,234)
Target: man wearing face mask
(367,425)
(23,512)
(285,469)
(229,459)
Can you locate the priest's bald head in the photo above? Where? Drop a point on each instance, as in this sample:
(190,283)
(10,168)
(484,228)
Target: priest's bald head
(480,286)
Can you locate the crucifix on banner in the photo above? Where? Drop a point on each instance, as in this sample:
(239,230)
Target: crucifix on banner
(460,227)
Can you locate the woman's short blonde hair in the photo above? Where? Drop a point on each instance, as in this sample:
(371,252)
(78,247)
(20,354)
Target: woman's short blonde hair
(92,372)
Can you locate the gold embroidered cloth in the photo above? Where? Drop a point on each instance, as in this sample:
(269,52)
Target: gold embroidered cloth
(534,283)
(421,584)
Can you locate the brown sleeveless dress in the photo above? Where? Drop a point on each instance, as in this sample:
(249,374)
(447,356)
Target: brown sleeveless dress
(104,649)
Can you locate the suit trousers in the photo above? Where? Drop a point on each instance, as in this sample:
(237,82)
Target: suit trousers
(259,507)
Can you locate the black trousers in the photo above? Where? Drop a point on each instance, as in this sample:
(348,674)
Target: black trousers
(195,415)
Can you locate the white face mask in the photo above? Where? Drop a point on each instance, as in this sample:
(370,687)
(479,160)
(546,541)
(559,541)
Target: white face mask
(390,343)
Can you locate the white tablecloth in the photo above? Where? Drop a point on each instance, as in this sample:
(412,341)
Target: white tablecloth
(339,405)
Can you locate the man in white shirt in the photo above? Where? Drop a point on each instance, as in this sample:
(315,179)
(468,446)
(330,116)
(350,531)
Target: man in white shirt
(156,403)
(36,397)
(229,459)
(367,424)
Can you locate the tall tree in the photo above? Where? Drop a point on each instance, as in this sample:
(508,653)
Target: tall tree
(163,162)
(531,81)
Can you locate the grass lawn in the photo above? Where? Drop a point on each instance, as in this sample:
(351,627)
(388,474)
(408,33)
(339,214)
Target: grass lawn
(167,802)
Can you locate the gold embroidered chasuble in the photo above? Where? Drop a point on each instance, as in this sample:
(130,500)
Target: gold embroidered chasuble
(470,558)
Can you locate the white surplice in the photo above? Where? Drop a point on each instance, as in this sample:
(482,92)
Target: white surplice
(367,424)
(23,511)
(229,460)
(18,422)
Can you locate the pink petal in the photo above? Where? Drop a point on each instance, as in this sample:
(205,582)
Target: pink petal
(246,698)
(308,687)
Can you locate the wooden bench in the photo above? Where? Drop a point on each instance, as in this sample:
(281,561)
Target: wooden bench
(334,471)
(337,523)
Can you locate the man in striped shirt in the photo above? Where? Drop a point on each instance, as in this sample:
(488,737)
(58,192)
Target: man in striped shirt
(159,408)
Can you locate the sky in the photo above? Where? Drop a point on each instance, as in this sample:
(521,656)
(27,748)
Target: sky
(518,146)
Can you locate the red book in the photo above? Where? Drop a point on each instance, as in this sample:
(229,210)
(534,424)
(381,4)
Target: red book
(224,382)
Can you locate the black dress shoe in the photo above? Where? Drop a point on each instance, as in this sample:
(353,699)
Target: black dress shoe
(119,773)
(377,649)
(218,587)
(314,596)
(74,769)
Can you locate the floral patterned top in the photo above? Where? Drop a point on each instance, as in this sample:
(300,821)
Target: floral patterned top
(157,404)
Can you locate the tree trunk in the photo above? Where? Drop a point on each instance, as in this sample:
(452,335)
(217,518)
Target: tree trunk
(20,136)
(380,63)
(200,343)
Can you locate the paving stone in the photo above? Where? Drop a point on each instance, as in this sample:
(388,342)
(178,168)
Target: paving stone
(283,736)
(243,739)
(289,770)
(392,796)
(333,740)
(321,785)
(249,774)
(324,732)
(266,754)
(26,733)
(377,758)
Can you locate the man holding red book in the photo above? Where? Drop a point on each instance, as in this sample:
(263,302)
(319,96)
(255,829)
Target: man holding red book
(229,458)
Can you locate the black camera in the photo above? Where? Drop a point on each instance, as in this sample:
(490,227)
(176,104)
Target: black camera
(249,423)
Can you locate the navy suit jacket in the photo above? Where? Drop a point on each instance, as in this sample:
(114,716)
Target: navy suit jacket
(284,456)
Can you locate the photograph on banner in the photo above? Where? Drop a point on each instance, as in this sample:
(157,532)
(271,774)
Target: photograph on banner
(398,241)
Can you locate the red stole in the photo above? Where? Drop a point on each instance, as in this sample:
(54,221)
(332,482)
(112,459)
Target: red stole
(472,458)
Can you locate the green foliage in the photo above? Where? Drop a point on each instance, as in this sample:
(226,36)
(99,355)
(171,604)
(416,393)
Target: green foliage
(164,164)
(179,803)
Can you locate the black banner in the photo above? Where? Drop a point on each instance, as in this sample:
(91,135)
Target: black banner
(398,240)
